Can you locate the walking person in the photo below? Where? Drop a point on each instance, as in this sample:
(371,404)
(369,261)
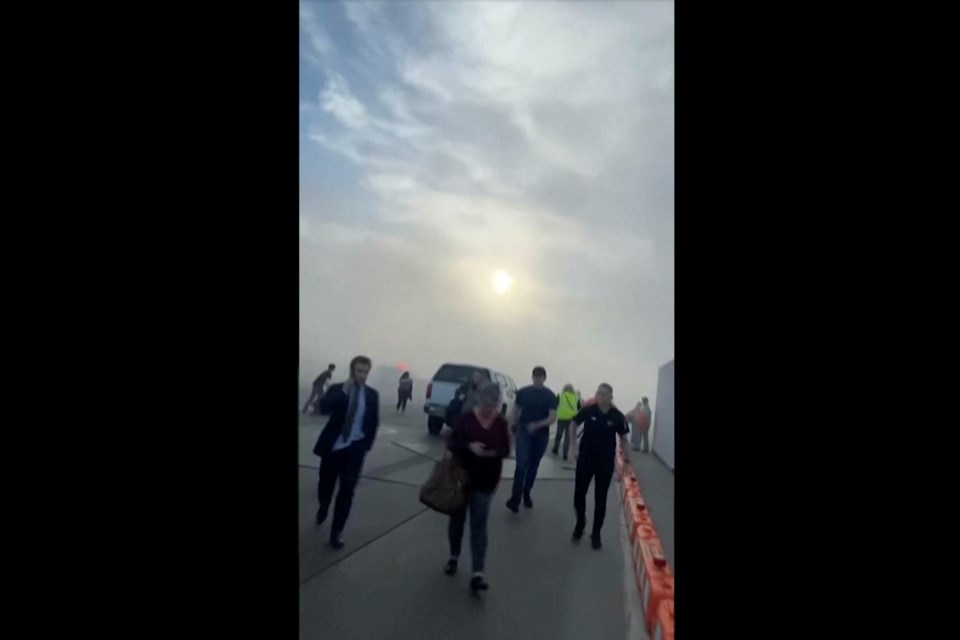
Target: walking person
(404,391)
(465,398)
(567,407)
(640,435)
(317,391)
(354,410)
(534,410)
(595,455)
(480,441)
(469,392)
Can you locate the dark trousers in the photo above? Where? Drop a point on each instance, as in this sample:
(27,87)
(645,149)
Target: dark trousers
(530,449)
(344,465)
(402,400)
(478,503)
(312,401)
(589,468)
(643,441)
(563,433)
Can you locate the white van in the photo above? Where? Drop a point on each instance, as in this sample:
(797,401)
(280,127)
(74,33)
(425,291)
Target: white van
(448,379)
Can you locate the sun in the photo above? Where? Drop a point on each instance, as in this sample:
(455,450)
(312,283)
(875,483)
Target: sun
(502,282)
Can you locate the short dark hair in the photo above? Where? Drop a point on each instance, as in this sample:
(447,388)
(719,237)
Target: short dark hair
(604,385)
(331,366)
(646,399)
(540,371)
(360,360)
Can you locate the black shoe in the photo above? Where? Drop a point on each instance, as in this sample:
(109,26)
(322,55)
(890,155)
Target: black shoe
(564,457)
(555,452)
(527,502)
(321,516)
(578,532)
(513,505)
(477,583)
(451,567)
(336,541)
(595,541)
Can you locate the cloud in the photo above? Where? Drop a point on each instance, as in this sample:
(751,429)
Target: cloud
(533,137)
(339,102)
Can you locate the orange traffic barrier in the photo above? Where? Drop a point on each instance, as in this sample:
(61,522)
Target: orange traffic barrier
(631,495)
(649,558)
(635,501)
(640,525)
(663,625)
(654,579)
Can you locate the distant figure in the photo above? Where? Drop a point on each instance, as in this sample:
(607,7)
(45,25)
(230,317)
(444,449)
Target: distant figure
(354,411)
(480,441)
(404,391)
(641,420)
(631,418)
(468,392)
(318,387)
(567,407)
(534,410)
(595,454)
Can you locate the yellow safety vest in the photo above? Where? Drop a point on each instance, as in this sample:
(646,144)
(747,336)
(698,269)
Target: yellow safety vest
(567,407)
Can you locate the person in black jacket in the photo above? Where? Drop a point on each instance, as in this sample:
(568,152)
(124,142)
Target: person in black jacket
(595,454)
(354,411)
(404,391)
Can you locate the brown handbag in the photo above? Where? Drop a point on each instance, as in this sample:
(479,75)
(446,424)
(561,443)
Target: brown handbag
(446,488)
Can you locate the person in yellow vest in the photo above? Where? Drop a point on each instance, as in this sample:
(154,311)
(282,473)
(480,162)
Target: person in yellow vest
(568,404)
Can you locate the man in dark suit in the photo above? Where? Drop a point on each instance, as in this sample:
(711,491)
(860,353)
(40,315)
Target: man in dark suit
(354,411)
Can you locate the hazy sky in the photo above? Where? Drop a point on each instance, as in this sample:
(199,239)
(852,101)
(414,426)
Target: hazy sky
(441,143)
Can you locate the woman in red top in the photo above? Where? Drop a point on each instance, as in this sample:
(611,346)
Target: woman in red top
(480,441)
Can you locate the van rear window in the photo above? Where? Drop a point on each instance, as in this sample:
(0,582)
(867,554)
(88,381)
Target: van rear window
(457,373)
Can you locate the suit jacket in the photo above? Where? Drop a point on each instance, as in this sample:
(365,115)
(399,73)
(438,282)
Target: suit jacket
(334,404)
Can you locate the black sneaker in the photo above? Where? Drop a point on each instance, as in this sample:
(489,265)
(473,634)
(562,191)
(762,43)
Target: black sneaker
(451,567)
(595,541)
(527,502)
(477,583)
(578,532)
(513,505)
(321,516)
(336,541)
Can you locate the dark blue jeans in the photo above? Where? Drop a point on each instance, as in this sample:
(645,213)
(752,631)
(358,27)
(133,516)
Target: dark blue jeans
(478,503)
(563,433)
(530,449)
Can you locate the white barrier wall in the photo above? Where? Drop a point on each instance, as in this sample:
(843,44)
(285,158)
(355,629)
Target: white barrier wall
(663,418)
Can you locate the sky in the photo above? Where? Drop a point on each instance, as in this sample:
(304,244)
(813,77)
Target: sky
(444,143)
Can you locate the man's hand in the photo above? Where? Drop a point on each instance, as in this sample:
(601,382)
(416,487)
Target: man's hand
(532,428)
(478,449)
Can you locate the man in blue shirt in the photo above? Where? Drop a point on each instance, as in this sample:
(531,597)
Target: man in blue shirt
(534,410)
(354,411)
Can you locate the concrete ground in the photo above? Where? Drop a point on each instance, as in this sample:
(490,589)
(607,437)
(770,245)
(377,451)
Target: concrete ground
(388,581)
